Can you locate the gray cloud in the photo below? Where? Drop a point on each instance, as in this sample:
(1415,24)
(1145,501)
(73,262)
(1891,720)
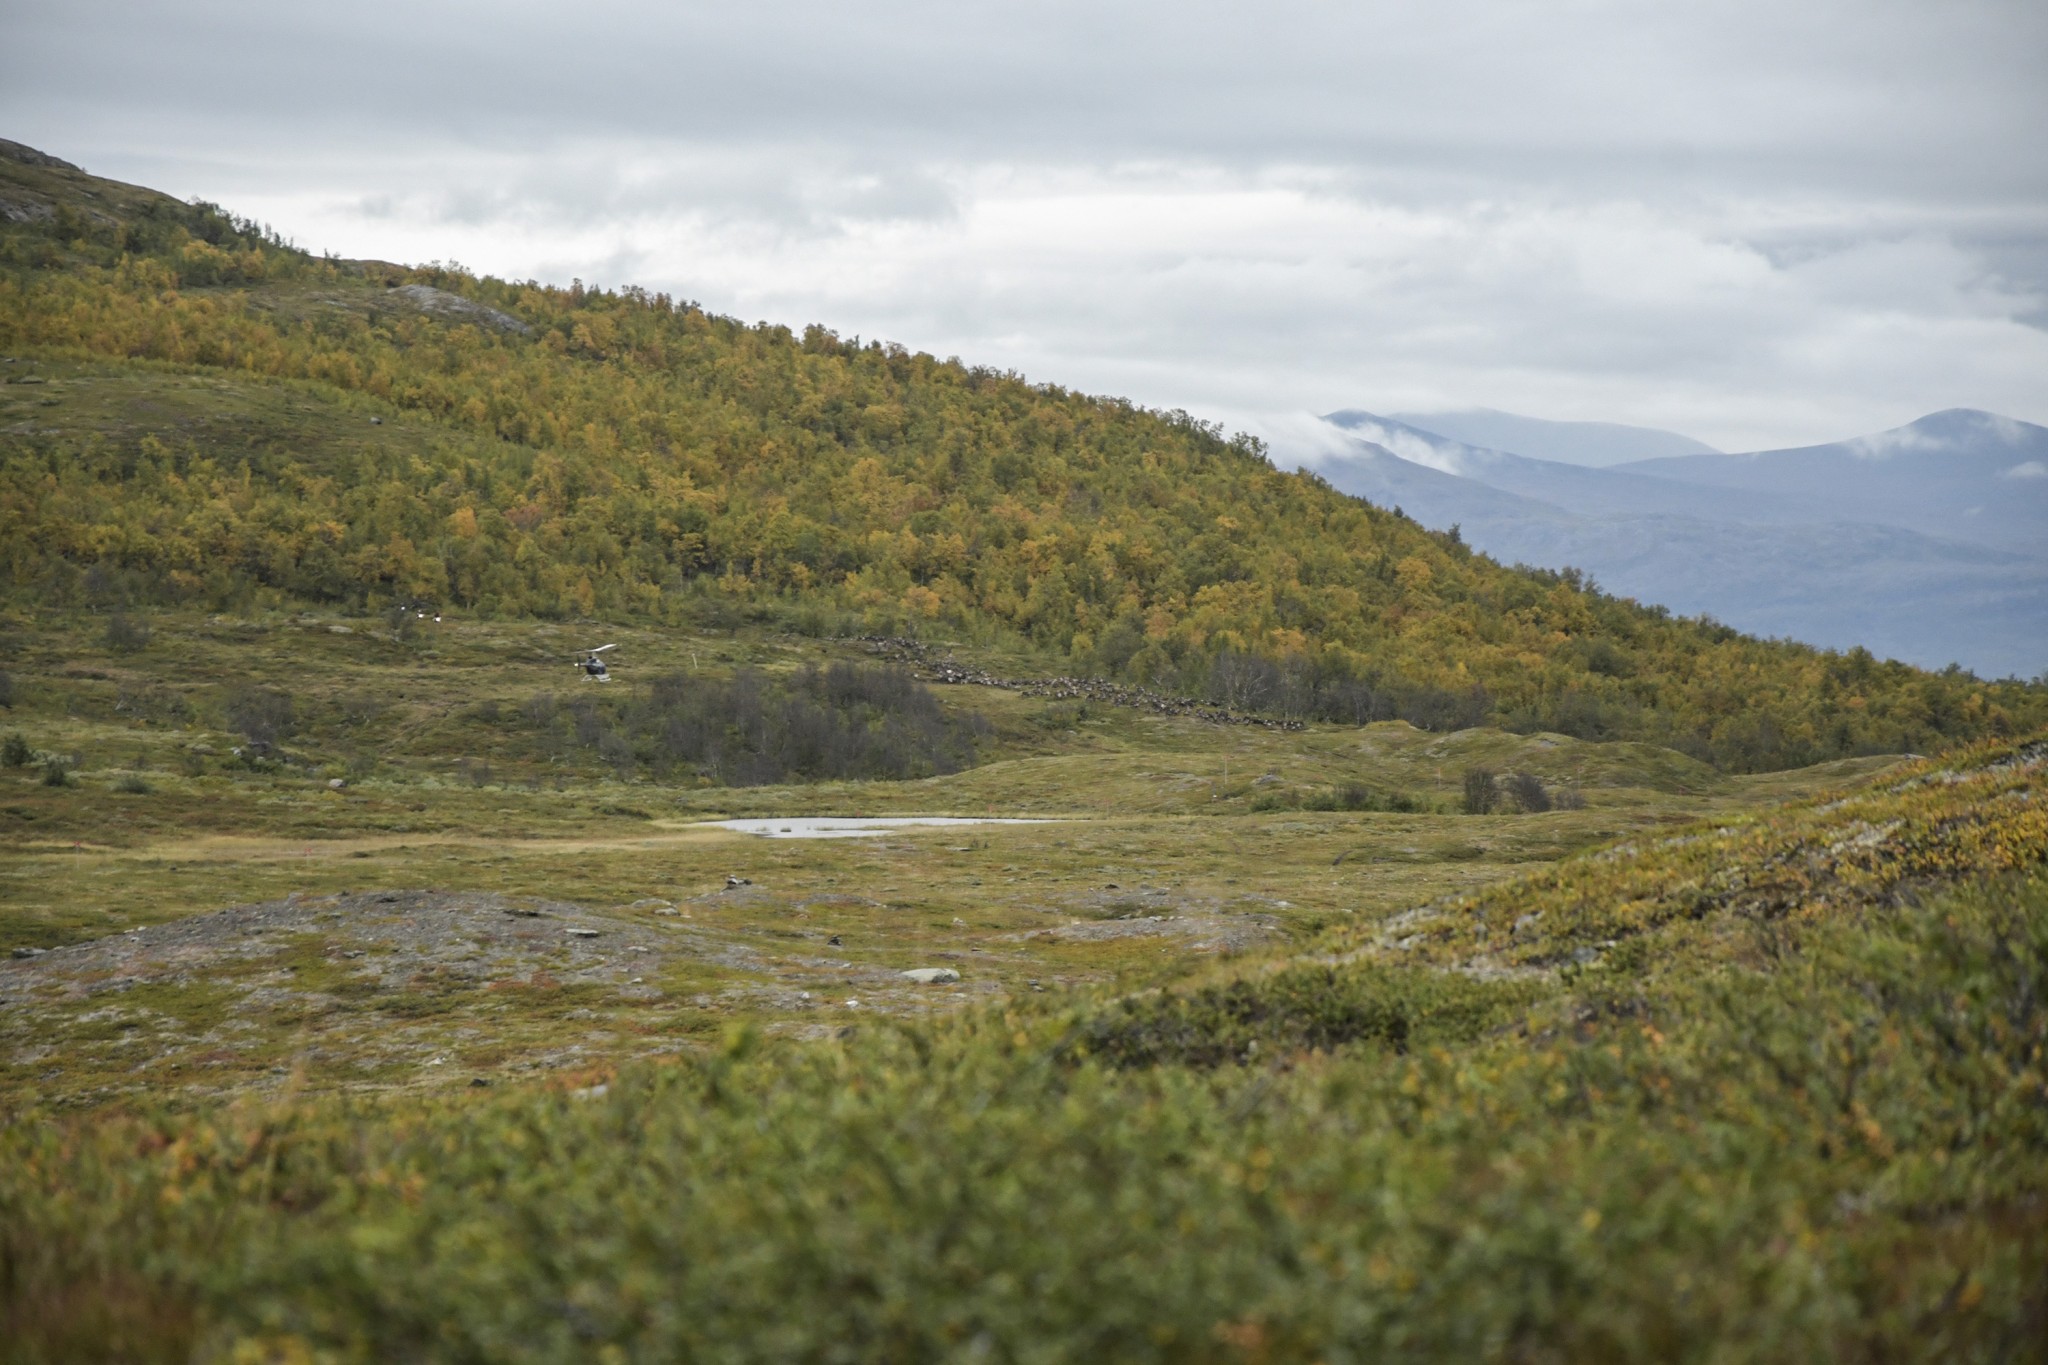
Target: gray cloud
(1759,222)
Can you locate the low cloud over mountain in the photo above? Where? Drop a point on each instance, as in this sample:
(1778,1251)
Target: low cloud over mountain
(1924,543)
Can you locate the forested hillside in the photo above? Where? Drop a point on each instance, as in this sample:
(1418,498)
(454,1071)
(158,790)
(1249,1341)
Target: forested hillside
(199,413)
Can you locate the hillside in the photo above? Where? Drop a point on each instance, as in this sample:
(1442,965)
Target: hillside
(200,416)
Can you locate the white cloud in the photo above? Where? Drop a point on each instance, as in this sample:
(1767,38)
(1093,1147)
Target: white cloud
(2030,469)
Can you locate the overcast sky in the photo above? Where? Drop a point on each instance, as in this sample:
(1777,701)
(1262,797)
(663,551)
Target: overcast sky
(1759,222)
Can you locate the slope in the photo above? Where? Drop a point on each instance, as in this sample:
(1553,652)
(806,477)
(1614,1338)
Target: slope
(578,453)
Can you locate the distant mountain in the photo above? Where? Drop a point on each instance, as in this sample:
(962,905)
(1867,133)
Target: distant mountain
(1596,444)
(1605,492)
(1786,562)
(1962,474)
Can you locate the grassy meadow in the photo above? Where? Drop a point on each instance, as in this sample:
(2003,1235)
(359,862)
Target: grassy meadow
(1754,1082)
(1161,845)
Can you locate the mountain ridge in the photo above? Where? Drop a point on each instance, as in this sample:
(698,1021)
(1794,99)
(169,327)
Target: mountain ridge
(1814,561)
(1593,444)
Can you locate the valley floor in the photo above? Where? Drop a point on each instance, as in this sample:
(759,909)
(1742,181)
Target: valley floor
(188,923)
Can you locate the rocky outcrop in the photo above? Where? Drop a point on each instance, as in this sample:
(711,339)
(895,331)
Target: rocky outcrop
(29,156)
(441,303)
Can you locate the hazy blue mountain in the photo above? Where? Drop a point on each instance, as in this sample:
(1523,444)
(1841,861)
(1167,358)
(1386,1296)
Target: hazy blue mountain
(1771,562)
(1575,487)
(1597,444)
(1961,474)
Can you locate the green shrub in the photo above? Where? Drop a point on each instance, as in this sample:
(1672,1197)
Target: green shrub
(1837,1159)
(1358,796)
(1528,793)
(1298,1009)
(15,751)
(124,634)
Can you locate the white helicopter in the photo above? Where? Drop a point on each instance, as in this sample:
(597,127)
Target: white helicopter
(592,666)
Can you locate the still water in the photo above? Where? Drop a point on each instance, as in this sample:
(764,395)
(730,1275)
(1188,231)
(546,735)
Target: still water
(853,827)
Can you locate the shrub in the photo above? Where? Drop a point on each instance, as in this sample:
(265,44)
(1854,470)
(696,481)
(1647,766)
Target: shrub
(260,715)
(1356,796)
(56,772)
(15,751)
(1298,1009)
(844,721)
(124,634)
(1526,791)
(1482,791)
(132,784)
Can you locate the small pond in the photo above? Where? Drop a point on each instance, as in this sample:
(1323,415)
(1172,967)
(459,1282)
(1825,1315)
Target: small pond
(852,827)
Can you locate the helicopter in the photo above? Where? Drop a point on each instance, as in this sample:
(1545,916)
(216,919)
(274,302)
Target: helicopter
(592,666)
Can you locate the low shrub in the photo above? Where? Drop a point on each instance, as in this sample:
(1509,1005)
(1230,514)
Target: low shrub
(1295,1010)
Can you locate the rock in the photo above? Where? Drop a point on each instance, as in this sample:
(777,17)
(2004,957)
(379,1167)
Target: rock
(731,882)
(478,1082)
(441,303)
(335,784)
(30,952)
(581,933)
(931,976)
(834,942)
(1526,923)
(29,156)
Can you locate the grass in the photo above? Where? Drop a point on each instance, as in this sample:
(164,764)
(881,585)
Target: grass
(1683,1072)
(1833,1151)
(1160,861)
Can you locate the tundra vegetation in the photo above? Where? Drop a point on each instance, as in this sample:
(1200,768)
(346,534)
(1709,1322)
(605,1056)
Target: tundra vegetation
(1459,963)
